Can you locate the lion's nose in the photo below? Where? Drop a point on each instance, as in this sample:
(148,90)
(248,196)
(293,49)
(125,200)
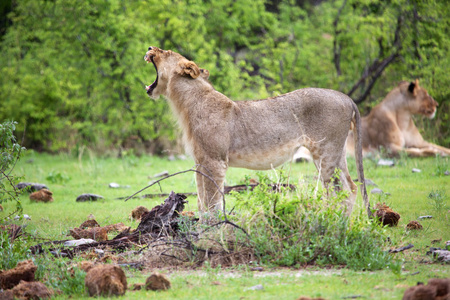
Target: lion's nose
(150,48)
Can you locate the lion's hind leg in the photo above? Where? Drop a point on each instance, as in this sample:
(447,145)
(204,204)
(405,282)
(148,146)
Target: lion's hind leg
(336,178)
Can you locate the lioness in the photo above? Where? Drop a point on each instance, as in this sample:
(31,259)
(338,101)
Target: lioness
(259,135)
(390,123)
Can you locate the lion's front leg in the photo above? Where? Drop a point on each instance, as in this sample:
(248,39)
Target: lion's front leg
(210,185)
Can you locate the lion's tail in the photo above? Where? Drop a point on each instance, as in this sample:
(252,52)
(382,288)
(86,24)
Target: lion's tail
(357,136)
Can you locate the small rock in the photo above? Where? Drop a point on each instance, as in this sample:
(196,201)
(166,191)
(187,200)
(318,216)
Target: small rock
(259,269)
(258,287)
(88,197)
(99,252)
(114,185)
(157,282)
(370,182)
(376,191)
(78,242)
(26,217)
(446,173)
(386,162)
(162,174)
(414,170)
(442,255)
(58,253)
(32,187)
(425,217)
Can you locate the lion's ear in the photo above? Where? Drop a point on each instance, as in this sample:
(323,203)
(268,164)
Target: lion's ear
(187,67)
(204,73)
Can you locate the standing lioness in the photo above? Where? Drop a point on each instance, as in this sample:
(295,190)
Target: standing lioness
(260,135)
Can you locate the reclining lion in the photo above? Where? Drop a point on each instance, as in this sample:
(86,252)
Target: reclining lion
(390,123)
(259,135)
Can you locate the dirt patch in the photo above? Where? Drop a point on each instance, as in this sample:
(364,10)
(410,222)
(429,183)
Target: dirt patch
(23,271)
(386,215)
(414,225)
(157,282)
(43,195)
(31,290)
(106,280)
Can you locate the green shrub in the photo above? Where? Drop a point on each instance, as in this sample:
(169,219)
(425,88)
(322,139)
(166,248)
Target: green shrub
(300,228)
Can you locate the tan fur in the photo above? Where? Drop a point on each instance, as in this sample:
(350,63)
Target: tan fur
(259,135)
(390,123)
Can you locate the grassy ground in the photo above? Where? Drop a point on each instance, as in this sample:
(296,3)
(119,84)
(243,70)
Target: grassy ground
(409,194)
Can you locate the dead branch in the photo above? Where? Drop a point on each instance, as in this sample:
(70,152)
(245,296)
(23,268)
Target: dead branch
(379,65)
(336,46)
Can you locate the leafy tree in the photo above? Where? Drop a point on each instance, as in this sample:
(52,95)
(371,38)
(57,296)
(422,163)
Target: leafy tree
(75,73)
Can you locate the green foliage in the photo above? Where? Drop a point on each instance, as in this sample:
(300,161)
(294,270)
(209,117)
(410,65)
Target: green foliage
(12,252)
(438,200)
(57,177)
(307,228)
(59,274)
(75,71)
(10,152)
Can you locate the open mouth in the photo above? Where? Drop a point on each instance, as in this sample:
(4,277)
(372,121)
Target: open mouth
(151,87)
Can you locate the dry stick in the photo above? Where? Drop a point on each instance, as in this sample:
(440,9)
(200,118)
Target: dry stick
(207,176)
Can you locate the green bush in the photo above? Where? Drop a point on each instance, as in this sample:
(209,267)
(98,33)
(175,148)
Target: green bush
(300,228)
(75,73)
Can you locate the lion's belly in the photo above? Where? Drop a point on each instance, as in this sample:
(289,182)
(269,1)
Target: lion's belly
(261,159)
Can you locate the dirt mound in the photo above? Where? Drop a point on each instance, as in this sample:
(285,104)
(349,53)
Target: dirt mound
(436,289)
(106,280)
(99,234)
(85,265)
(157,282)
(43,195)
(90,223)
(23,271)
(138,212)
(386,215)
(31,290)
(414,225)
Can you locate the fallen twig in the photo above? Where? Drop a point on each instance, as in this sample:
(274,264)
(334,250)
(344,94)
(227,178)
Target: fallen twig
(401,249)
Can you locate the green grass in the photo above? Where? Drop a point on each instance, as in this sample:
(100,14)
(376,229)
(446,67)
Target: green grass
(67,177)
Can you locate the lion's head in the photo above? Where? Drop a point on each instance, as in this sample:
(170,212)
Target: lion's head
(420,102)
(168,63)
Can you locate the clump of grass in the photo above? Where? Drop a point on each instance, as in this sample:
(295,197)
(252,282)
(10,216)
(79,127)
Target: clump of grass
(308,228)
(438,200)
